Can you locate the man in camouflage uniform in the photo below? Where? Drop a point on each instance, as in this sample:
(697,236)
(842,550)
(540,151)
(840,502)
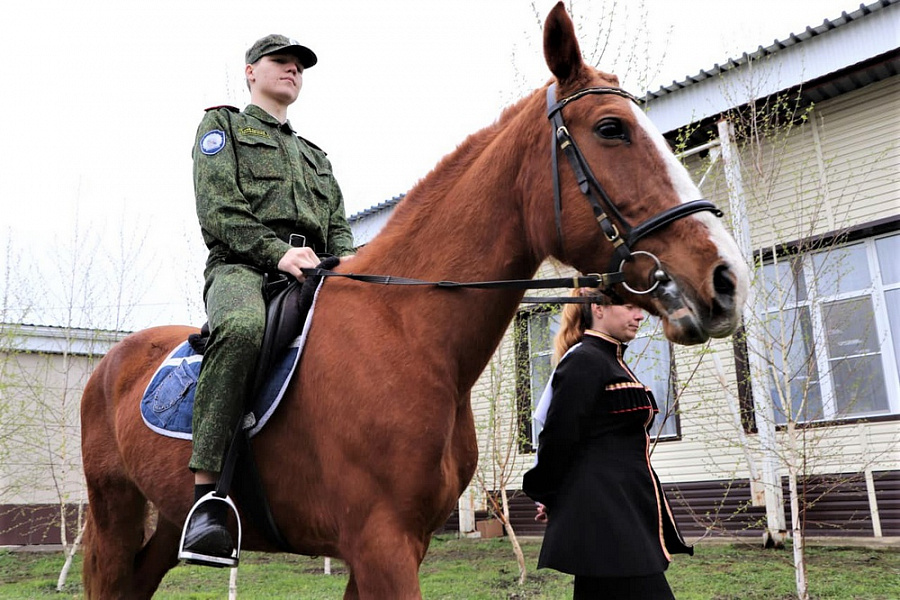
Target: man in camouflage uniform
(256,183)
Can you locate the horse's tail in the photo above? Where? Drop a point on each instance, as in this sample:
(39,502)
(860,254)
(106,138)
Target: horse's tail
(90,573)
(114,528)
(96,436)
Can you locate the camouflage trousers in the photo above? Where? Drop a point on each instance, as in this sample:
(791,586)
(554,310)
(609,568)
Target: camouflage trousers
(237,318)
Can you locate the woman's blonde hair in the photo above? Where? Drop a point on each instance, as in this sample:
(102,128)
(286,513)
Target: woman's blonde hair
(576,318)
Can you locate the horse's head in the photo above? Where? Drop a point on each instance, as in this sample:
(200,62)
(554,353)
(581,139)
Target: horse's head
(624,199)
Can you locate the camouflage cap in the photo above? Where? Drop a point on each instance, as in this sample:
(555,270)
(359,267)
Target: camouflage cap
(278,43)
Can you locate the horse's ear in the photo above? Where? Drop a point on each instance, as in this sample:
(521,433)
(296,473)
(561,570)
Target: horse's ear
(561,49)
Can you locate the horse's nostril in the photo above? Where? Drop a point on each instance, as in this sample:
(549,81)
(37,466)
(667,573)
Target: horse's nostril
(723,281)
(724,285)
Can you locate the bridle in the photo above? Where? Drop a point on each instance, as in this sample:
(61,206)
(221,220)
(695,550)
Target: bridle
(588,184)
(591,188)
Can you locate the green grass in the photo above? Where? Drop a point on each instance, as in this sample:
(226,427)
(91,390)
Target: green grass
(486,570)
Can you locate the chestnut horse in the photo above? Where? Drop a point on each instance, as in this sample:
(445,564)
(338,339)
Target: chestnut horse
(375,440)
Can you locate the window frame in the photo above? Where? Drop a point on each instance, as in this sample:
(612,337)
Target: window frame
(524,386)
(654,332)
(876,292)
(525,399)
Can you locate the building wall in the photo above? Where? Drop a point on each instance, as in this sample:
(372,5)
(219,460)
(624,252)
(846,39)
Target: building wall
(843,176)
(837,169)
(861,152)
(42,373)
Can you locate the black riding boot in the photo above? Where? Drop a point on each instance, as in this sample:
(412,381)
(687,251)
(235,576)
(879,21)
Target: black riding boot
(206,535)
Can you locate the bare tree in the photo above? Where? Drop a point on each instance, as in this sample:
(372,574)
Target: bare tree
(84,290)
(499,441)
(803,305)
(612,37)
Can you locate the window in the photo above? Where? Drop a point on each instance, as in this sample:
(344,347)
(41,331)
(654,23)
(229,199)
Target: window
(831,322)
(649,356)
(535,331)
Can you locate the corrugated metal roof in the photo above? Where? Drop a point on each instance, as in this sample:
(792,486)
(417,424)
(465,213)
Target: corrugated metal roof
(777,45)
(838,56)
(375,209)
(55,339)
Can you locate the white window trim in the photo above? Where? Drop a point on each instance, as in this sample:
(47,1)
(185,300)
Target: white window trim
(815,303)
(890,362)
(645,332)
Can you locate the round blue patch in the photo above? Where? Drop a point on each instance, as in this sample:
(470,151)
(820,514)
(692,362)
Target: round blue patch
(212,142)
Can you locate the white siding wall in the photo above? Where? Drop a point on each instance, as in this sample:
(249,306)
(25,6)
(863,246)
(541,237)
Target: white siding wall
(806,184)
(41,449)
(861,148)
(485,392)
(809,183)
(797,190)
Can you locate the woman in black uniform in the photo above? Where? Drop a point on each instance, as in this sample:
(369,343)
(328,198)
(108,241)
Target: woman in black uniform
(608,522)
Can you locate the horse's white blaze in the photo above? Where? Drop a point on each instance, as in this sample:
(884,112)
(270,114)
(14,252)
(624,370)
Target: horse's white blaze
(681,181)
(687,191)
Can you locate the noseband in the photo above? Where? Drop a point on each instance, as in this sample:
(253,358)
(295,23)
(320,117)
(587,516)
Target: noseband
(588,185)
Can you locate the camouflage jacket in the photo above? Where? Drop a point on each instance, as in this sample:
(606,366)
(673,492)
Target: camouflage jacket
(256,182)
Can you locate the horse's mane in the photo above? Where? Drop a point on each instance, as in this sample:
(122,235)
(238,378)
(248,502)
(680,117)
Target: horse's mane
(425,197)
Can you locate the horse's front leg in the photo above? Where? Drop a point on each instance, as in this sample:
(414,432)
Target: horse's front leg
(384,562)
(352,592)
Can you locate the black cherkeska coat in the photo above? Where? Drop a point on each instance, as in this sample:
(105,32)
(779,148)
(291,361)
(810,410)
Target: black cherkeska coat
(608,516)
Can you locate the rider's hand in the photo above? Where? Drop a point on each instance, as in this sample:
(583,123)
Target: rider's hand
(296,259)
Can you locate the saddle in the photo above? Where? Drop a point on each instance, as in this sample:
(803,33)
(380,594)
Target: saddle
(287,305)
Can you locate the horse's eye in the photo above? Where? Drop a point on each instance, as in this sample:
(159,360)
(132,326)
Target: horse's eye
(611,129)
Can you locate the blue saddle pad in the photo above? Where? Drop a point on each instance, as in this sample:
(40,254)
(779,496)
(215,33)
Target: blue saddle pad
(168,402)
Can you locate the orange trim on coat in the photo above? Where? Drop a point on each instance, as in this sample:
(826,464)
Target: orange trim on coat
(659,514)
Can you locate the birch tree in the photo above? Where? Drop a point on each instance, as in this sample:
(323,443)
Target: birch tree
(499,441)
(85,290)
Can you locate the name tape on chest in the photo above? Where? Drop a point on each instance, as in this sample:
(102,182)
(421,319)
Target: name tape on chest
(253,131)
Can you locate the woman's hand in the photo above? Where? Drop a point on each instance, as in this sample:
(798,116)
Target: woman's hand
(541,516)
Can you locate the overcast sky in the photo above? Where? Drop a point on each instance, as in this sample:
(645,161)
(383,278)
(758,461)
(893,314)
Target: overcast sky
(102,98)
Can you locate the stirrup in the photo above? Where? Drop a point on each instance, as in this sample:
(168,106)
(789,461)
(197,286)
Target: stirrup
(205,559)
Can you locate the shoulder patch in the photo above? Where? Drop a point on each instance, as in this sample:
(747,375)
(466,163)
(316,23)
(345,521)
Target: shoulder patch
(228,106)
(212,142)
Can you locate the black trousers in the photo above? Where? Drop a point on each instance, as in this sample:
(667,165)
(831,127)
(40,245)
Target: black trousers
(650,587)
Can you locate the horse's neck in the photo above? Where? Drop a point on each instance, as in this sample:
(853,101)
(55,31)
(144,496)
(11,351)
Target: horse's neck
(464,222)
